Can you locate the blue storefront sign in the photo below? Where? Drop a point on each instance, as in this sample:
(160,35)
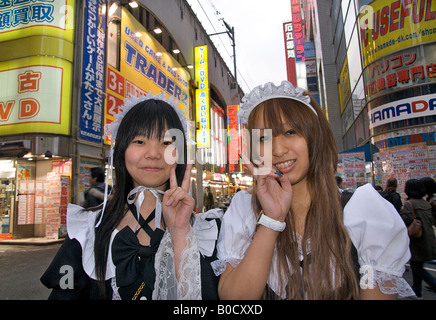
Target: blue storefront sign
(93,72)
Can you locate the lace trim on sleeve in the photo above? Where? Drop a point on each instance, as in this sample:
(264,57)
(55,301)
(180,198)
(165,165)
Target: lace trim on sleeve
(387,283)
(166,285)
(115,294)
(219,266)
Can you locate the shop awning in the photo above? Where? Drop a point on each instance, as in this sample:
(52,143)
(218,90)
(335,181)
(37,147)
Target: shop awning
(368,149)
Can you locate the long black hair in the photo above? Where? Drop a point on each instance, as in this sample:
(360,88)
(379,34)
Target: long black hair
(414,189)
(149,118)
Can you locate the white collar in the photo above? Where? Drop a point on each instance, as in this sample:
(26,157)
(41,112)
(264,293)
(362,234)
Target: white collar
(139,196)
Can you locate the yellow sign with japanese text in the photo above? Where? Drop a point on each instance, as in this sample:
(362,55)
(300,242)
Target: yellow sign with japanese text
(145,67)
(35,95)
(344,85)
(21,19)
(202,97)
(387,26)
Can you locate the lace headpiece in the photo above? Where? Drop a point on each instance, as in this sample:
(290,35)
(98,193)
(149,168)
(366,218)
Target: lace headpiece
(111,131)
(270,91)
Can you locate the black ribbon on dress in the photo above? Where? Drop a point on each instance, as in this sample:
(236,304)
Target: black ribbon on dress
(134,263)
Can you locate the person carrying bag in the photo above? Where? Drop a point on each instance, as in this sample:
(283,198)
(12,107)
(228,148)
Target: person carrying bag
(417,212)
(415,228)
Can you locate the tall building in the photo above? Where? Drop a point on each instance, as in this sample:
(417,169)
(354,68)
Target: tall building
(65,68)
(375,63)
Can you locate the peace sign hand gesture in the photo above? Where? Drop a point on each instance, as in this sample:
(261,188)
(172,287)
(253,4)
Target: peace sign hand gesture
(178,204)
(274,191)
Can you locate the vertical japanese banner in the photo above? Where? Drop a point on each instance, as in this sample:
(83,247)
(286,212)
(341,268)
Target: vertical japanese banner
(234,138)
(202,97)
(290,53)
(297,25)
(93,72)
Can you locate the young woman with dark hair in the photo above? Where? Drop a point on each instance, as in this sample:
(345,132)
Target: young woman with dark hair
(140,244)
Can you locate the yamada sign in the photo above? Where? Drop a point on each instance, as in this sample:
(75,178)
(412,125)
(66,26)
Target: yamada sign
(410,108)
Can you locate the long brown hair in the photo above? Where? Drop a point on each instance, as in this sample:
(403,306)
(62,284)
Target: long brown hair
(328,272)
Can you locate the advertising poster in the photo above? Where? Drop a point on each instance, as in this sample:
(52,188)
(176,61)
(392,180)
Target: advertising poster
(35,94)
(414,65)
(24,18)
(404,163)
(91,109)
(145,66)
(351,167)
(35,98)
(387,26)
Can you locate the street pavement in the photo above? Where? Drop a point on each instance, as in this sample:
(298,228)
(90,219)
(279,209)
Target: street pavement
(21,267)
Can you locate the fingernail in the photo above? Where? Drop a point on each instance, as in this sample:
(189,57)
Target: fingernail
(279,173)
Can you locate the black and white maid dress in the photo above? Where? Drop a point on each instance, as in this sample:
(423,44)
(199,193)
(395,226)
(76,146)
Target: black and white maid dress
(135,271)
(374,226)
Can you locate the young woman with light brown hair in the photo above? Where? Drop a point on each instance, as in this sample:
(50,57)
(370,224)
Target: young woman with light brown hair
(291,238)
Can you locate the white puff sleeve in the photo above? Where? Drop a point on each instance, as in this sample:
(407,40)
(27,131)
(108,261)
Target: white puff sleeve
(81,226)
(237,230)
(380,237)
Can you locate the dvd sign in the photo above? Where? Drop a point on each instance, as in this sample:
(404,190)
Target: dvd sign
(404,109)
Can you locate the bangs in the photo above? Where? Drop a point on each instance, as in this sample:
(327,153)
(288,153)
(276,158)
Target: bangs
(151,119)
(277,112)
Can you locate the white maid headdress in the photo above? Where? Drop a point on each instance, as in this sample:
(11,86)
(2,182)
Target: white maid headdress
(111,131)
(270,91)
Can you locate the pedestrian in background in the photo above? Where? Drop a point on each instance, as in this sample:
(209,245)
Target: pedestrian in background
(345,194)
(94,196)
(430,190)
(378,188)
(391,193)
(208,199)
(424,248)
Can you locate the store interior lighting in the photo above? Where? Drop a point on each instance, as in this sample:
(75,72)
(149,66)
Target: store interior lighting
(22,154)
(189,66)
(113,8)
(133,4)
(176,51)
(157,30)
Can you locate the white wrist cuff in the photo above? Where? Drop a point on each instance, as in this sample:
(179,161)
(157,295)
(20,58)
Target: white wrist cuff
(270,222)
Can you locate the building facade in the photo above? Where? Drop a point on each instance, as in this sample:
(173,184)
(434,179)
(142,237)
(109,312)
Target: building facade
(65,68)
(376,72)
